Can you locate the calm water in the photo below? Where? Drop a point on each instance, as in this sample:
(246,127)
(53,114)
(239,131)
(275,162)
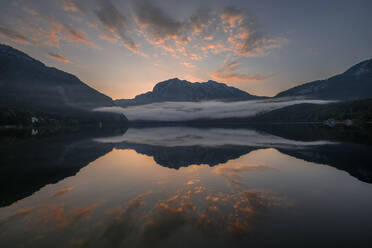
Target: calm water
(187,187)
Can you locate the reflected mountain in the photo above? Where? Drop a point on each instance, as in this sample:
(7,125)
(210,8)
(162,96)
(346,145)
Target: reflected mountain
(183,156)
(30,162)
(353,158)
(176,147)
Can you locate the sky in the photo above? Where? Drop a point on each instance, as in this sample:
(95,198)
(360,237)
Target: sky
(124,47)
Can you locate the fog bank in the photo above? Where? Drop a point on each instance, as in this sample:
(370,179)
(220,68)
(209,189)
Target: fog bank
(185,111)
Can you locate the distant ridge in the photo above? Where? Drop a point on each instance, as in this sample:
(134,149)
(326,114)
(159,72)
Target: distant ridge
(181,90)
(353,84)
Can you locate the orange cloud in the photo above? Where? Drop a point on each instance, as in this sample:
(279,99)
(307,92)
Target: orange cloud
(232,20)
(188,65)
(192,55)
(76,36)
(215,48)
(53,35)
(110,37)
(59,58)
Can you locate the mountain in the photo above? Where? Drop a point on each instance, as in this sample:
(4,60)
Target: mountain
(28,84)
(355,83)
(182,90)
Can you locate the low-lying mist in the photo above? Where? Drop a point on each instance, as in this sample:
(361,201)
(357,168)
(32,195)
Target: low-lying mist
(185,111)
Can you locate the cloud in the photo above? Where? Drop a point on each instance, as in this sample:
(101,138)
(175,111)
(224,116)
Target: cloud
(81,213)
(14,35)
(158,24)
(75,35)
(74,6)
(110,37)
(59,57)
(188,65)
(215,47)
(245,34)
(30,10)
(182,111)
(114,22)
(69,5)
(53,34)
(230,73)
(216,31)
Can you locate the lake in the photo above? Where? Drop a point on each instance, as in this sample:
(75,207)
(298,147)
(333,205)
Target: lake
(194,186)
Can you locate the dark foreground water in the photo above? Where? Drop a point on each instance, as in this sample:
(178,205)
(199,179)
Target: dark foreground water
(282,186)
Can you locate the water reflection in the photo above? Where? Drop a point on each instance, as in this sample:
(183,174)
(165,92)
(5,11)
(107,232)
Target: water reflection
(182,187)
(175,147)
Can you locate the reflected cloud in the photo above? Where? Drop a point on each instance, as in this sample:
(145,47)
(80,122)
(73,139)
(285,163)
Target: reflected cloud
(233,173)
(63,191)
(82,213)
(213,214)
(19,214)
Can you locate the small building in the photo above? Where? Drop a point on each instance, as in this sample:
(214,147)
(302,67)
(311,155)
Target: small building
(348,122)
(34,119)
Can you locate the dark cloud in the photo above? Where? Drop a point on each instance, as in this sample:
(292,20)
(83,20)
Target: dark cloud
(115,22)
(14,35)
(157,22)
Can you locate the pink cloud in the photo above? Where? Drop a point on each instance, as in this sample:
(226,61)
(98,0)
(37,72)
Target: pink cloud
(188,65)
(59,57)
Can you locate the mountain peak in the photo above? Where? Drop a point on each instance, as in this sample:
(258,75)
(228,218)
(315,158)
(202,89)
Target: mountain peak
(175,89)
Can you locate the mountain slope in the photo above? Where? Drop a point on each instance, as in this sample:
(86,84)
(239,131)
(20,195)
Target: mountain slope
(182,90)
(28,85)
(24,80)
(355,83)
